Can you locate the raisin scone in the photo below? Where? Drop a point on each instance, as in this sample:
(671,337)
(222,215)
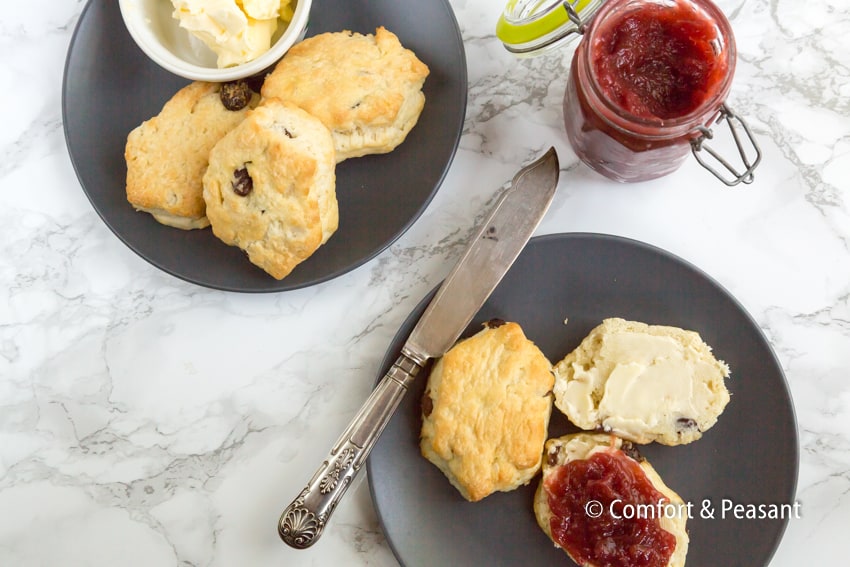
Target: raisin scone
(486,409)
(366,88)
(642,382)
(604,504)
(167,155)
(270,188)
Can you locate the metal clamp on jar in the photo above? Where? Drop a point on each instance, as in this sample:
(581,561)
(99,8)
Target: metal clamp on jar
(648,80)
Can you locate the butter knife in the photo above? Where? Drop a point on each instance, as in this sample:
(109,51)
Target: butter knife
(488,256)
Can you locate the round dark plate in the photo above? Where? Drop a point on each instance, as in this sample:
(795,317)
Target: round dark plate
(749,457)
(110,87)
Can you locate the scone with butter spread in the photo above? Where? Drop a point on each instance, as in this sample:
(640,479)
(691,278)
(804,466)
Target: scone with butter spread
(167,155)
(642,382)
(367,89)
(270,187)
(604,504)
(486,409)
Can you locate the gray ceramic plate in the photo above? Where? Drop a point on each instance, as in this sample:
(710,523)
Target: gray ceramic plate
(749,457)
(110,87)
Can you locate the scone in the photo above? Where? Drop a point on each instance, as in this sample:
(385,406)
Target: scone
(642,382)
(270,187)
(597,496)
(367,89)
(486,409)
(167,155)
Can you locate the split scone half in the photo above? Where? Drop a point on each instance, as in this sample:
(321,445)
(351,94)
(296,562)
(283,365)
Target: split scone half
(486,409)
(168,154)
(645,383)
(366,88)
(603,504)
(270,187)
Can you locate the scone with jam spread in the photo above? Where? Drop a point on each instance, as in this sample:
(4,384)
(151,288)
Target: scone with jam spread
(270,188)
(603,504)
(167,155)
(486,411)
(367,89)
(643,383)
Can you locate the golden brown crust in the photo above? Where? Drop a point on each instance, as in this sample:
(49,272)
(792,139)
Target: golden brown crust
(367,89)
(291,208)
(486,411)
(578,446)
(167,155)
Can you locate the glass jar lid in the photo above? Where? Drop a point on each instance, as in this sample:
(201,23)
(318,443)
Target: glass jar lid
(531,27)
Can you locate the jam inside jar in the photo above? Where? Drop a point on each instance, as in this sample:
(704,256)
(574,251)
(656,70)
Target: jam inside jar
(648,77)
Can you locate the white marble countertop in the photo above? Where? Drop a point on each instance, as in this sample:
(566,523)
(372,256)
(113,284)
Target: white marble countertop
(186,453)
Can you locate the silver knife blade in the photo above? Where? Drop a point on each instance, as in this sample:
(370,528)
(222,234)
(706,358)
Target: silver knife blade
(489,255)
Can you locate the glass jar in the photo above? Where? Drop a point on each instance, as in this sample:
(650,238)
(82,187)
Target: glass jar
(647,81)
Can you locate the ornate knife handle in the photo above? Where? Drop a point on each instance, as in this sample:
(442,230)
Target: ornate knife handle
(304,520)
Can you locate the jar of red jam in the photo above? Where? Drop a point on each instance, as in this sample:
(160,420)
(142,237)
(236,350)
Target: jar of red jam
(648,80)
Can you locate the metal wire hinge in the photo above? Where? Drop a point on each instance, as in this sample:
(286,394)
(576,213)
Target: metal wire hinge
(573,16)
(732,175)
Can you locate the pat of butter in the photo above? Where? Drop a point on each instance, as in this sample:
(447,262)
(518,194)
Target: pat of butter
(238,31)
(261,9)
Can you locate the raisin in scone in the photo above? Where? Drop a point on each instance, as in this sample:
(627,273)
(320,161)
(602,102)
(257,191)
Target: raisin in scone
(270,188)
(642,382)
(167,155)
(486,411)
(367,89)
(603,504)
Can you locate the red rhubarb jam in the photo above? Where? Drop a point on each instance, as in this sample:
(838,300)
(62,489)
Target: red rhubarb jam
(646,77)
(605,535)
(658,62)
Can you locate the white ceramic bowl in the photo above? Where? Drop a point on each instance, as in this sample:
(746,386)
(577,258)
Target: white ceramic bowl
(160,36)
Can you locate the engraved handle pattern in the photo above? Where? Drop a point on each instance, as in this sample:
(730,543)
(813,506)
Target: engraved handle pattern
(304,520)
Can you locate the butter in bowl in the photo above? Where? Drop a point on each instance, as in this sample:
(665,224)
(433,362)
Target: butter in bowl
(218,40)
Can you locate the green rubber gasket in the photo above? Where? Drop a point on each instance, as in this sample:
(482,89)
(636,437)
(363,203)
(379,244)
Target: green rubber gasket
(535,26)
